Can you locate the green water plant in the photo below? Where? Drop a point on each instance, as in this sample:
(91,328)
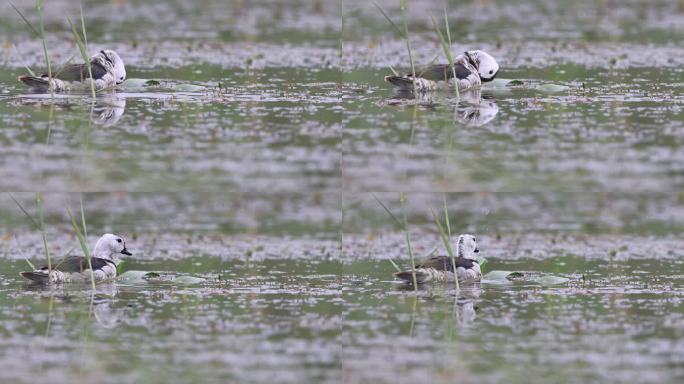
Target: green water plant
(82,43)
(41,35)
(83,242)
(402,200)
(507,277)
(446,47)
(446,239)
(399,223)
(404,34)
(39,225)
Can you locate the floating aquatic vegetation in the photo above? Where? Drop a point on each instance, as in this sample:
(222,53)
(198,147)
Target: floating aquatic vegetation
(507,277)
(498,84)
(135,84)
(152,276)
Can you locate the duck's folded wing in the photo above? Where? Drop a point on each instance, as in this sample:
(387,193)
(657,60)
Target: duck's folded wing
(443,72)
(462,262)
(79,72)
(78,264)
(443,263)
(440,263)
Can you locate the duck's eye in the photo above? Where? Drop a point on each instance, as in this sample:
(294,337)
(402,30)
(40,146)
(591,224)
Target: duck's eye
(118,240)
(491,71)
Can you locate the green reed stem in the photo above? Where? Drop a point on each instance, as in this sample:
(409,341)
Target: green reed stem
(84,246)
(39,206)
(39,9)
(402,6)
(446,47)
(402,199)
(447,244)
(84,51)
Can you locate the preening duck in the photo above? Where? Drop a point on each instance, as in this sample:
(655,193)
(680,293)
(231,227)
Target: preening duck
(472,68)
(107,68)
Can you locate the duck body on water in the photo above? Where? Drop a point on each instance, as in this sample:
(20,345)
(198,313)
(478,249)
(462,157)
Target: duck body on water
(441,268)
(471,69)
(76,268)
(107,69)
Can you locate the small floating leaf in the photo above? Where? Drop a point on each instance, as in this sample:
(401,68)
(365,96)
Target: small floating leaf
(503,275)
(119,267)
(133,276)
(151,83)
(134,83)
(503,83)
(482,261)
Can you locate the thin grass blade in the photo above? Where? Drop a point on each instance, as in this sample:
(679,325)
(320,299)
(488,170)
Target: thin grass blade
(84,246)
(84,53)
(39,9)
(394,264)
(33,30)
(408,45)
(388,18)
(447,53)
(447,245)
(87,61)
(402,199)
(399,223)
(28,215)
(39,206)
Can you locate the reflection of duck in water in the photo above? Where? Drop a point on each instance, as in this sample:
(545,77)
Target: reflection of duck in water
(472,68)
(470,107)
(476,111)
(108,110)
(441,268)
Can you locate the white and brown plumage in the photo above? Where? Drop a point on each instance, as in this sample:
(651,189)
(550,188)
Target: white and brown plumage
(440,268)
(107,68)
(472,68)
(76,268)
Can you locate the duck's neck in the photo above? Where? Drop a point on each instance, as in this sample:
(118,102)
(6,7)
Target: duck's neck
(102,252)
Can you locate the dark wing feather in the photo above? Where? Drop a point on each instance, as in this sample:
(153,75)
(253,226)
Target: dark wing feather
(443,72)
(78,264)
(443,263)
(440,263)
(78,72)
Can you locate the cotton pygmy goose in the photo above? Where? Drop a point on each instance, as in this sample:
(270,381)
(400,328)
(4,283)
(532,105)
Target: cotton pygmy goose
(472,68)
(107,68)
(440,268)
(76,268)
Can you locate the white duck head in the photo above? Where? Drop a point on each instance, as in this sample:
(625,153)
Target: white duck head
(109,246)
(486,66)
(116,63)
(466,247)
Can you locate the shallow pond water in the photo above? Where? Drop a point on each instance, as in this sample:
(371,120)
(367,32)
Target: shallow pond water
(610,131)
(265,130)
(248,322)
(243,151)
(616,322)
